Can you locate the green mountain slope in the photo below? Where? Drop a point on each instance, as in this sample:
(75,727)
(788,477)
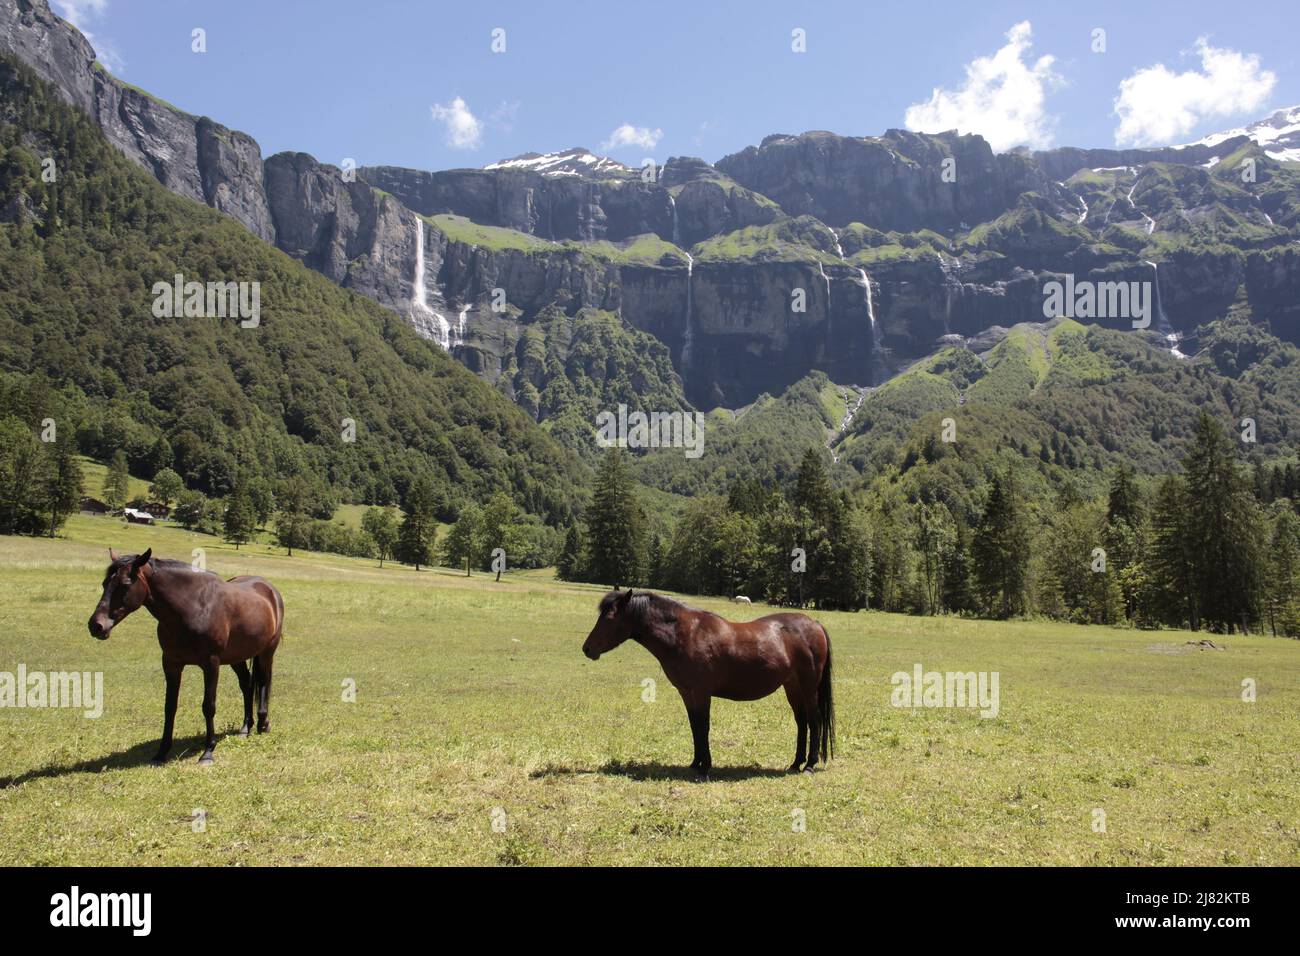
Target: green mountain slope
(79,257)
(1066,402)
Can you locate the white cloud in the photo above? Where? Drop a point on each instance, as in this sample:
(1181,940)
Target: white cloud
(79,13)
(1002,99)
(629,135)
(464,129)
(1156,105)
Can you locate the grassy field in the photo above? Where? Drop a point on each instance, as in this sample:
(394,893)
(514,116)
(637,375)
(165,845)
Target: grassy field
(474,705)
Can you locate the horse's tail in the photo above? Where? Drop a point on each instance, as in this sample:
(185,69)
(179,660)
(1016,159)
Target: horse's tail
(826,706)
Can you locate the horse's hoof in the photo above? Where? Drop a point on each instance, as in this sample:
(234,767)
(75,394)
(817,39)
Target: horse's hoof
(808,769)
(206,760)
(245,731)
(158,760)
(794,767)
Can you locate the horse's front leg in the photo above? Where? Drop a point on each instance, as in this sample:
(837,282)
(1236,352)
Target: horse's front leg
(697,709)
(211,671)
(172,673)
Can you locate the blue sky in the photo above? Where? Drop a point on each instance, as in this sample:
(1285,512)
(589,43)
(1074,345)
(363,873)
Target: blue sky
(417,84)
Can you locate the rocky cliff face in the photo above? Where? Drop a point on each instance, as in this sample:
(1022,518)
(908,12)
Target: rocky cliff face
(193,156)
(892,245)
(894,182)
(552,207)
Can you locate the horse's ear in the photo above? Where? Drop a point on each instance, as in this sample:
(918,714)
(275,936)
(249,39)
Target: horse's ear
(624,597)
(112,555)
(141,560)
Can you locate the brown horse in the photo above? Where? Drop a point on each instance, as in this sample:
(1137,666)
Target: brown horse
(202,620)
(706,656)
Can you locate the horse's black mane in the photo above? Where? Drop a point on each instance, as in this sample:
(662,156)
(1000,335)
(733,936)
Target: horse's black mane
(646,607)
(168,564)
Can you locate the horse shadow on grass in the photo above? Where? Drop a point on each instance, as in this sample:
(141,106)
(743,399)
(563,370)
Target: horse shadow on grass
(139,755)
(654,770)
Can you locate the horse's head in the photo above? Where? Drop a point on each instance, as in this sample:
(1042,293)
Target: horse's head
(126,585)
(613,625)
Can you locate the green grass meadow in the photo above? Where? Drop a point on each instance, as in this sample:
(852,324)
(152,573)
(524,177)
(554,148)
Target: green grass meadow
(481,735)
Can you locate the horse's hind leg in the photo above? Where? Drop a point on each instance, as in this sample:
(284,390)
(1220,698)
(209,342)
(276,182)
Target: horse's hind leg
(801,721)
(246,686)
(262,684)
(813,717)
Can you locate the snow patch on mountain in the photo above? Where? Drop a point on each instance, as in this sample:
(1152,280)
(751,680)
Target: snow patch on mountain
(570,162)
(1279,135)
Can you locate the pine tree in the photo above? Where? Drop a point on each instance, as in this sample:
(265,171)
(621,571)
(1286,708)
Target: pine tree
(1123,503)
(117,484)
(1001,549)
(654,562)
(614,524)
(812,487)
(238,523)
(1173,563)
(419,526)
(63,482)
(1282,603)
(1225,530)
(956,573)
(569,567)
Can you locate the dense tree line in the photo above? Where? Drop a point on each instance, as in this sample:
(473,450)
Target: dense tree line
(1201,549)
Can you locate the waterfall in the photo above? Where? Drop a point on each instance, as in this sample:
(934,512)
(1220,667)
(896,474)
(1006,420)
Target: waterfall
(839,250)
(688,337)
(1082,205)
(677,235)
(828,285)
(460,327)
(420,312)
(1162,321)
(1151,223)
(871,311)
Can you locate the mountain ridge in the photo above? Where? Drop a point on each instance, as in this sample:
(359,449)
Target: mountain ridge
(706,257)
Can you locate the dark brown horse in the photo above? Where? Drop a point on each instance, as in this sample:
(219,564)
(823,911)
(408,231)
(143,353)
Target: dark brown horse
(706,656)
(202,620)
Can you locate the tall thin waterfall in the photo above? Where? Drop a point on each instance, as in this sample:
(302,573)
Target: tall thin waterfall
(428,323)
(677,235)
(1172,338)
(871,311)
(688,336)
